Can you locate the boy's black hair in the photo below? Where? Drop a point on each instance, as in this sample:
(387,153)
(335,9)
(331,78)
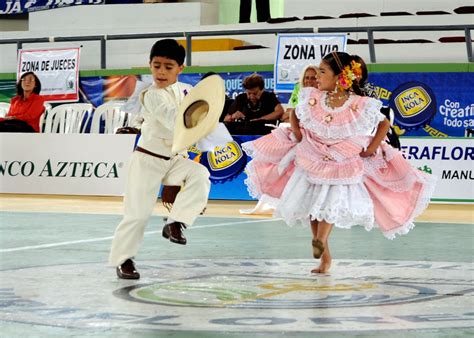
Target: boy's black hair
(168,48)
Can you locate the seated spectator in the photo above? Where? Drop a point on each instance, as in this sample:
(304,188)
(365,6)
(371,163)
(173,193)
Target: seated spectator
(25,108)
(253,111)
(227,104)
(307,79)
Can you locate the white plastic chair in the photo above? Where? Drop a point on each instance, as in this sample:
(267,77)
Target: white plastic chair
(70,118)
(4,108)
(113,117)
(47,110)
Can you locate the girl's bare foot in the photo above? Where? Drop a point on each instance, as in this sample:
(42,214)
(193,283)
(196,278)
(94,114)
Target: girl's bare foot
(325,264)
(323,268)
(318,248)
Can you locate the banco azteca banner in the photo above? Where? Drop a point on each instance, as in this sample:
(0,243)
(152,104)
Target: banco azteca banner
(66,164)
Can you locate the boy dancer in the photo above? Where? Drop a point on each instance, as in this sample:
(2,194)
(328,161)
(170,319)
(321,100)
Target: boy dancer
(153,164)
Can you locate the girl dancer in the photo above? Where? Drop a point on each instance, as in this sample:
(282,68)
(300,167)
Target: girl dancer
(332,167)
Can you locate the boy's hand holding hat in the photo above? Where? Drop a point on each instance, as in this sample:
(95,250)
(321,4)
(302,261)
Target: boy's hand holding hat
(199,113)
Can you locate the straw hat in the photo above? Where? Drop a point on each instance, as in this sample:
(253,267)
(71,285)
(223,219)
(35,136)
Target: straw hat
(199,112)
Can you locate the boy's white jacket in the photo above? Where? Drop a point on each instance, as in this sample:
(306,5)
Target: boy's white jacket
(160,106)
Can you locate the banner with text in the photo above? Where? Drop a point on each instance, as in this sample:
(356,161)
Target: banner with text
(428,104)
(25,6)
(66,164)
(450,159)
(57,69)
(296,51)
(95,164)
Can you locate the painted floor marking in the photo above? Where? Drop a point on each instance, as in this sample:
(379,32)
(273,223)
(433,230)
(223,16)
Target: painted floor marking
(91,240)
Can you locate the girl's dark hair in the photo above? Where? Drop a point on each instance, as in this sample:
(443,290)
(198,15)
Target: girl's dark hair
(36,89)
(168,48)
(338,60)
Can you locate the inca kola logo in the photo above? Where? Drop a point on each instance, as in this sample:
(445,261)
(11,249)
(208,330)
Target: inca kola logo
(414,105)
(224,162)
(412,101)
(223,157)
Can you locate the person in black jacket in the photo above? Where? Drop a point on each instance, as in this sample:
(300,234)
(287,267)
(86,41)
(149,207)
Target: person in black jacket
(254,112)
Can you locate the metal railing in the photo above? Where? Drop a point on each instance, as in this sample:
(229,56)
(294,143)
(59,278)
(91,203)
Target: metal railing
(189,35)
(370,34)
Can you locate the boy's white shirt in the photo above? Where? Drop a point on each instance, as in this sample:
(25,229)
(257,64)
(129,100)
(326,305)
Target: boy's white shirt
(160,106)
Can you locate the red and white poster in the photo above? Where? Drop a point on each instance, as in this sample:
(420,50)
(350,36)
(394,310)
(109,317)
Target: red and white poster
(57,69)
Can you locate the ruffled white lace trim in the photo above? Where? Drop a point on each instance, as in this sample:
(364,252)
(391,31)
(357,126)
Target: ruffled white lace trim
(248,148)
(252,188)
(363,124)
(339,218)
(343,206)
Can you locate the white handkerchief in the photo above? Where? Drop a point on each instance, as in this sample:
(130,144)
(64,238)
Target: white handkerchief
(218,138)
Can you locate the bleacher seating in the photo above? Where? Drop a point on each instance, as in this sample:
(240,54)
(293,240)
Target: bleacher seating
(431,46)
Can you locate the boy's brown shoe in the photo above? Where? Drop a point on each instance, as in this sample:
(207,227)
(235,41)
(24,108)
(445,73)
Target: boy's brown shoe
(174,232)
(127,270)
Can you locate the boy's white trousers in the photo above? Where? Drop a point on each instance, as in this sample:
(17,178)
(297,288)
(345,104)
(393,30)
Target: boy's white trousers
(145,176)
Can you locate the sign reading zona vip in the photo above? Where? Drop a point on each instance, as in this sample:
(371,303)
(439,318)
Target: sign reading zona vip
(296,51)
(68,164)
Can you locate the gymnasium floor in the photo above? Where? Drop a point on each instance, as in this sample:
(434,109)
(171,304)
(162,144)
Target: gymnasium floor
(237,277)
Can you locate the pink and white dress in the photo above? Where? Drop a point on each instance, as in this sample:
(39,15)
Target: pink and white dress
(323,177)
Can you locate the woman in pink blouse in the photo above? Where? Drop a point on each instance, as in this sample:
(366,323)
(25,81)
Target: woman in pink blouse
(25,108)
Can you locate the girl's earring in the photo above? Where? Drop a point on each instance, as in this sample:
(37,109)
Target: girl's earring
(336,87)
